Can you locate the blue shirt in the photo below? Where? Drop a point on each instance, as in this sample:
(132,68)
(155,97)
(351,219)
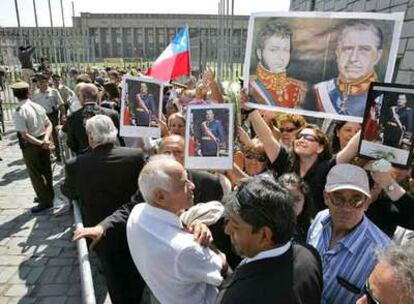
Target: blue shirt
(351,259)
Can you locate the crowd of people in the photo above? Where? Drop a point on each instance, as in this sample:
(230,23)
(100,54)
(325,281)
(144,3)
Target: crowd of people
(300,218)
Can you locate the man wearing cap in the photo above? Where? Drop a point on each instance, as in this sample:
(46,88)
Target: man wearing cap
(65,92)
(261,221)
(52,102)
(33,130)
(345,238)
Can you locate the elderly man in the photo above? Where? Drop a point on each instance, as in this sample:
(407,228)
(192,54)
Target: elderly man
(359,49)
(261,224)
(392,280)
(75,124)
(102,180)
(271,85)
(344,236)
(174,266)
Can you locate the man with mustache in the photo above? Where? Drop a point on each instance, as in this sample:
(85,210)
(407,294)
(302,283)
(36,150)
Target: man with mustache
(359,49)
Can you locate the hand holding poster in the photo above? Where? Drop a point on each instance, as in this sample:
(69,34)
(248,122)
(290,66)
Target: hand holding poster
(389,123)
(319,64)
(141,104)
(209,137)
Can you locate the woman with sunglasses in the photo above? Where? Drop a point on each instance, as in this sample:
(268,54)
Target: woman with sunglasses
(310,156)
(255,163)
(288,126)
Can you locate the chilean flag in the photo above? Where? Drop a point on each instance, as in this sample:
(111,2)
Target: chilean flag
(175,60)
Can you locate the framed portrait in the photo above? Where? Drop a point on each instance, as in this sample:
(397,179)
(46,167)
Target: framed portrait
(387,131)
(141,105)
(319,64)
(209,137)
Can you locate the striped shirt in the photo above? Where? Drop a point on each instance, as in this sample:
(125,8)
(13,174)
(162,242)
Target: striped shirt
(348,264)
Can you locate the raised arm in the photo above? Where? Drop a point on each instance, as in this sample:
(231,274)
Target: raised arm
(264,133)
(349,151)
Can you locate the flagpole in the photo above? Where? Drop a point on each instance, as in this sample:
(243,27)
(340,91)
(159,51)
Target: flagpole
(189,47)
(18,22)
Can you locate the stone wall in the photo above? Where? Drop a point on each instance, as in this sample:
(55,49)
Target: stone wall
(404,70)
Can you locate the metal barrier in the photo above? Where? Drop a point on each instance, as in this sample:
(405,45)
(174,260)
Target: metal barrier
(88,292)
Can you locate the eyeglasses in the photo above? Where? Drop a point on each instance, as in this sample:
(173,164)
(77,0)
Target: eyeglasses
(247,199)
(366,290)
(259,157)
(287,130)
(307,137)
(354,202)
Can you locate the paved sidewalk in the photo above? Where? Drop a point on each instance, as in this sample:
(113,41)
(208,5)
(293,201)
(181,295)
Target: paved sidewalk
(38,262)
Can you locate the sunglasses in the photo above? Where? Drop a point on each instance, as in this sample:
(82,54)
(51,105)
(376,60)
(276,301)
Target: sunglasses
(366,290)
(307,137)
(339,201)
(259,157)
(287,130)
(247,199)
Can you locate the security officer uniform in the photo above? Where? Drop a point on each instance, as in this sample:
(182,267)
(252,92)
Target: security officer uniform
(51,101)
(31,118)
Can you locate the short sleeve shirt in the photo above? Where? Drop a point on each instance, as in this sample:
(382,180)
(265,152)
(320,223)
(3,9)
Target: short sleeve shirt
(49,100)
(31,118)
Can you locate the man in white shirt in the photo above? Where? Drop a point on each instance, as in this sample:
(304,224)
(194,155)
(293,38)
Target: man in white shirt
(175,267)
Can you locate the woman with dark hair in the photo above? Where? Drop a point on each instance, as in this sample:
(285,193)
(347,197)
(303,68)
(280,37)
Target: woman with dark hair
(342,134)
(303,203)
(310,154)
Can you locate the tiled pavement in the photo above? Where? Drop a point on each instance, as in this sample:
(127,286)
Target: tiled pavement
(38,261)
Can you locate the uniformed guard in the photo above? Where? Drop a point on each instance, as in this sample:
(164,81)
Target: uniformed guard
(52,102)
(34,130)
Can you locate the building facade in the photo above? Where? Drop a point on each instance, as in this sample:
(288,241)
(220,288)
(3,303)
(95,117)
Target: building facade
(99,37)
(404,69)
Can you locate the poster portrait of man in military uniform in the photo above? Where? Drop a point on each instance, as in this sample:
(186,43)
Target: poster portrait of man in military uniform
(319,64)
(209,136)
(390,108)
(140,105)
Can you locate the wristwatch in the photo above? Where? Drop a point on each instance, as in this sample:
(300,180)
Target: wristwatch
(391,187)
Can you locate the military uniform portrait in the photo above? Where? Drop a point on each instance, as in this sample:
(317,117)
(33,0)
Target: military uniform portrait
(141,105)
(209,136)
(390,113)
(319,64)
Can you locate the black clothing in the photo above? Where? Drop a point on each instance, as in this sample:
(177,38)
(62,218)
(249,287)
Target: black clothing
(25,57)
(75,128)
(315,177)
(102,180)
(292,278)
(387,215)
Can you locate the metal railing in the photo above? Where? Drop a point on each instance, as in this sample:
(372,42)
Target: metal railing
(88,292)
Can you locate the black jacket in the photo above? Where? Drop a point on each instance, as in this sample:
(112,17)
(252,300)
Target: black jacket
(103,179)
(75,127)
(292,278)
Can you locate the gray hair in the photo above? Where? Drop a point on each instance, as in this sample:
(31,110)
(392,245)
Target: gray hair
(362,26)
(401,259)
(89,92)
(153,176)
(102,129)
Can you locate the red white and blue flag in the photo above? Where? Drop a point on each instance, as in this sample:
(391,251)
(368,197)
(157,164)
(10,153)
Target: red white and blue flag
(174,61)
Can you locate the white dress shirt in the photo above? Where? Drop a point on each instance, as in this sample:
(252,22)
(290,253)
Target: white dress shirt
(174,266)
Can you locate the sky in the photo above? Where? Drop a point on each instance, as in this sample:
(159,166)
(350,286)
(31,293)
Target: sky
(26,11)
